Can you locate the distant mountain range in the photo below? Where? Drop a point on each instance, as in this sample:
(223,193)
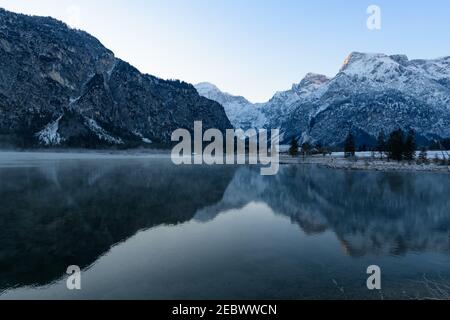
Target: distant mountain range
(62,87)
(371,93)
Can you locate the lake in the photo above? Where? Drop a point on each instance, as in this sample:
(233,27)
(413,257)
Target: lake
(140,227)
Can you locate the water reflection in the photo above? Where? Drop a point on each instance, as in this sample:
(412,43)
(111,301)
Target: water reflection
(72,212)
(370,212)
(60,214)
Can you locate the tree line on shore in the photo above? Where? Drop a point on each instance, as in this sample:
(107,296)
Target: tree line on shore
(398,146)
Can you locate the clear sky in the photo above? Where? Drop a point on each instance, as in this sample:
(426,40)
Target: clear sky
(250,47)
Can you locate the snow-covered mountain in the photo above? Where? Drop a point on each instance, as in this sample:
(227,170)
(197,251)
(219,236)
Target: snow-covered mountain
(371,93)
(284,103)
(241,112)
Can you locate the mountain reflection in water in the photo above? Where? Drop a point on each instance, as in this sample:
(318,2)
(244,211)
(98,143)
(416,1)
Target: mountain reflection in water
(55,214)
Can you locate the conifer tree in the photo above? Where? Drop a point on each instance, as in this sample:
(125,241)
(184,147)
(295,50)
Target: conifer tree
(381,144)
(409,149)
(293,150)
(306,149)
(395,145)
(349,146)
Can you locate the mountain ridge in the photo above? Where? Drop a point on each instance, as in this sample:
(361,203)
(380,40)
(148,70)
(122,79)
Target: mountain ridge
(372,92)
(61,87)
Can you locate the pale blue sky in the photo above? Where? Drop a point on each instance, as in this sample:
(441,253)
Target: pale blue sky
(250,47)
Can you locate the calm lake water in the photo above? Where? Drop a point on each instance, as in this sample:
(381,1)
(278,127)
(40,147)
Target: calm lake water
(142,228)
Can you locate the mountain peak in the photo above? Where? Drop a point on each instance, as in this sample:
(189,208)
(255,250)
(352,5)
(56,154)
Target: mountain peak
(206,86)
(311,80)
(357,57)
(360,59)
(375,66)
(314,78)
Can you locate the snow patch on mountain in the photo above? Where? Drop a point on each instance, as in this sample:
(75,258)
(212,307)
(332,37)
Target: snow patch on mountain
(144,139)
(101,133)
(49,135)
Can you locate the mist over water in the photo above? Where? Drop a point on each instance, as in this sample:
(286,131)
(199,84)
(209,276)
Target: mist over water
(144,228)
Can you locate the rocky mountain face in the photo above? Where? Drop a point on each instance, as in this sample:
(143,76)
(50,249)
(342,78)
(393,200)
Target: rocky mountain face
(246,115)
(371,93)
(60,86)
(241,112)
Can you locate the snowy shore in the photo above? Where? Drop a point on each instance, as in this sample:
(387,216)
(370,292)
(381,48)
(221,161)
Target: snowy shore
(365,161)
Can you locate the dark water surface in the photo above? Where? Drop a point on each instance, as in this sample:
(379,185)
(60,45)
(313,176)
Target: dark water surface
(143,228)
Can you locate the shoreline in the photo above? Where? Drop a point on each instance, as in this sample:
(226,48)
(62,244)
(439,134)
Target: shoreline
(335,161)
(364,163)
